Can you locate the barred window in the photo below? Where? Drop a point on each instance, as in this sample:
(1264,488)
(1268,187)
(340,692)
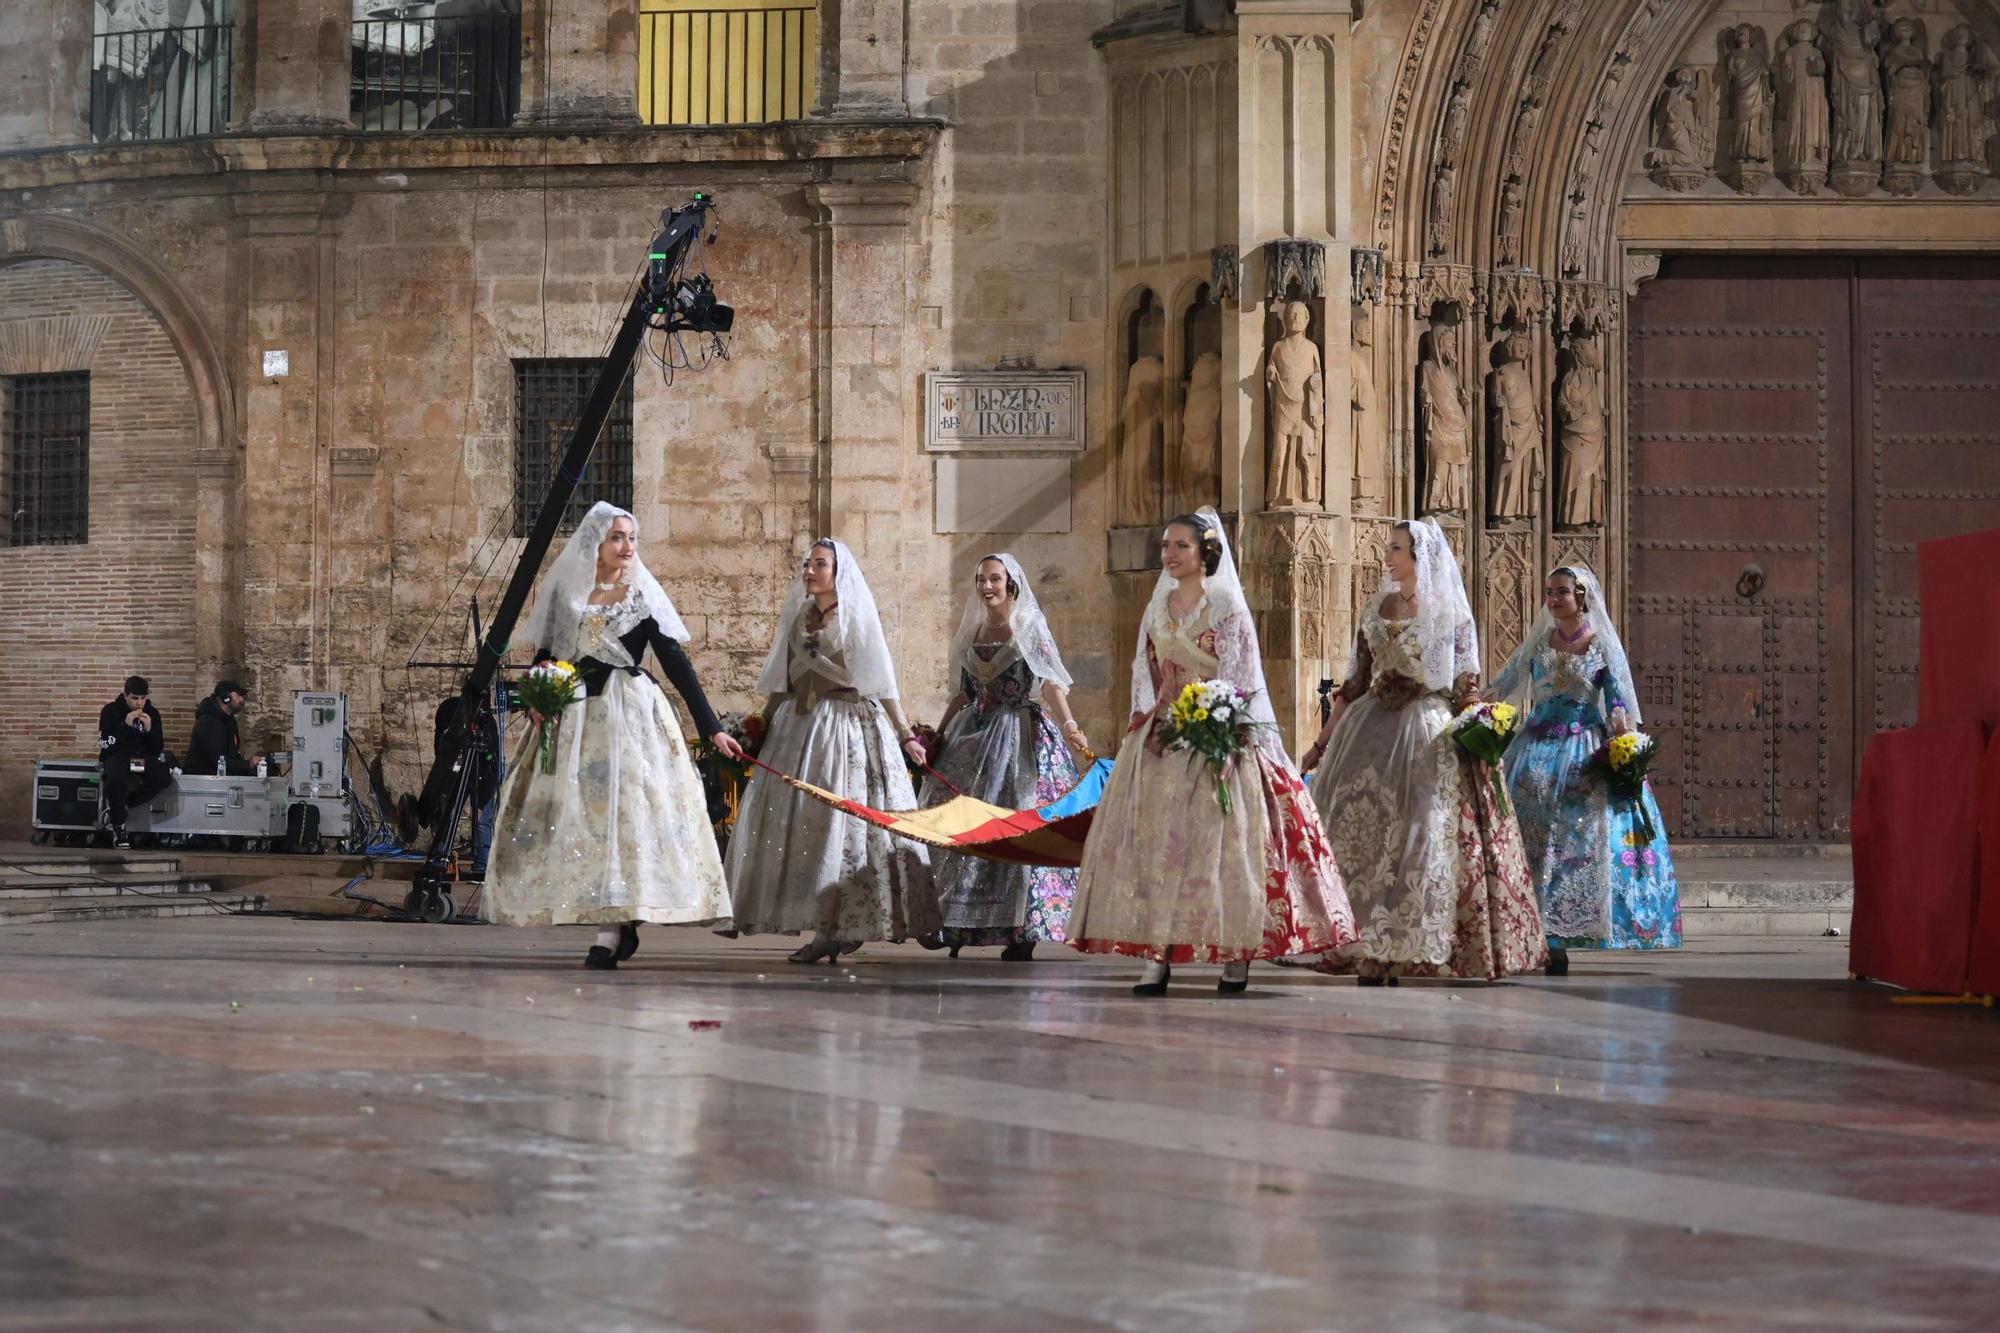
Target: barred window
(47,466)
(548,398)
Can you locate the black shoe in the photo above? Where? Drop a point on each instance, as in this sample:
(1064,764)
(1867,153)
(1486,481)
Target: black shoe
(1371,981)
(1558,965)
(1224,986)
(120,839)
(954,950)
(628,941)
(600,959)
(1155,989)
(1020,951)
(933,941)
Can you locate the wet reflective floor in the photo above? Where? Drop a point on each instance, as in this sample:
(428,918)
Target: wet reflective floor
(261,1123)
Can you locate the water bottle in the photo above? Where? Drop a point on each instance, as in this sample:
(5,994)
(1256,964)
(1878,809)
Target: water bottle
(262,767)
(221,766)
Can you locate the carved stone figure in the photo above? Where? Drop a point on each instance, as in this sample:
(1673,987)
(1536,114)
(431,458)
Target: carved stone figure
(1522,139)
(1198,479)
(1906,73)
(1749,73)
(1508,248)
(1370,479)
(1446,422)
(1517,432)
(1296,387)
(1683,130)
(1802,109)
(1857,96)
(1140,443)
(1451,138)
(1477,41)
(1961,114)
(1580,414)
(1437,234)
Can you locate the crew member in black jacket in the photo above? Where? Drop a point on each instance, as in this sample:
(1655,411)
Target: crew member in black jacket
(214,741)
(132,750)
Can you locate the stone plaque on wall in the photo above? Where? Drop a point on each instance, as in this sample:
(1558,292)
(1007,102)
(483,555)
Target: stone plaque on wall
(1003,411)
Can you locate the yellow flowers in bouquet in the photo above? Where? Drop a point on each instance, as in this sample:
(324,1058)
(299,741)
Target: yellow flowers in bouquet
(1211,718)
(547,689)
(1484,731)
(1624,761)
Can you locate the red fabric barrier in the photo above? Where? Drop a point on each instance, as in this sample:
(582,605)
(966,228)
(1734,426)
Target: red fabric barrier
(1916,855)
(1958,638)
(1983,969)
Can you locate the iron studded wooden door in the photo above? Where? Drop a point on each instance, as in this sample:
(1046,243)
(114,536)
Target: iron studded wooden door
(1797,427)
(1740,611)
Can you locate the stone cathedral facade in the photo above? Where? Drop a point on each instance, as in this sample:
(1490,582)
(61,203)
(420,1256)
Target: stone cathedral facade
(1706,295)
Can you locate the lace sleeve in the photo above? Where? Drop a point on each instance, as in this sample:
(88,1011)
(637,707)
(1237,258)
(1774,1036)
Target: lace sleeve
(1465,654)
(1360,670)
(1516,679)
(1236,652)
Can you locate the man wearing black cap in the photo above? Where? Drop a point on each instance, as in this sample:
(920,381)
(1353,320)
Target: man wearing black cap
(132,749)
(214,747)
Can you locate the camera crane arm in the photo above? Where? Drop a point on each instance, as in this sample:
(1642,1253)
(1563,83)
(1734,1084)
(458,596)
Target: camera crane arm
(668,300)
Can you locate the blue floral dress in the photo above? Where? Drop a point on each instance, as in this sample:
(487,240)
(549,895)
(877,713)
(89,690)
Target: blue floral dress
(1002,748)
(1602,882)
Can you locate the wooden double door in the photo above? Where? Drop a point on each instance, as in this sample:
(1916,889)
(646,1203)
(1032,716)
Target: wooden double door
(1797,426)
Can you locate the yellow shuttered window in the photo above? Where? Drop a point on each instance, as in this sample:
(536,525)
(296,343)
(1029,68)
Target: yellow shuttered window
(726,62)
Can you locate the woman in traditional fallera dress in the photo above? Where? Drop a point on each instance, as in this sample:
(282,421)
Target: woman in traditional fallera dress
(1169,875)
(1605,882)
(999,743)
(832,718)
(1433,865)
(618,834)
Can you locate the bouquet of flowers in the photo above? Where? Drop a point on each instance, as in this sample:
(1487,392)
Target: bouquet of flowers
(1484,731)
(1624,761)
(547,689)
(1212,718)
(747,730)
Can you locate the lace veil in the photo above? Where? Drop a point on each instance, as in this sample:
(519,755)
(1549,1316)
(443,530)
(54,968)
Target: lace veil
(1519,679)
(856,634)
(1224,591)
(1032,638)
(1444,616)
(558,612)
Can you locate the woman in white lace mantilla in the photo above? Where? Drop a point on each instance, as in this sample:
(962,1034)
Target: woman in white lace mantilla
(999,742)
(1168,874)
(1601,862)
(1434,866)
(619,833)
(832,719)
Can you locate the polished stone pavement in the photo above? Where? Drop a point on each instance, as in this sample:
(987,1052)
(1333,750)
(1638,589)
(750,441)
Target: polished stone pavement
(268,1123)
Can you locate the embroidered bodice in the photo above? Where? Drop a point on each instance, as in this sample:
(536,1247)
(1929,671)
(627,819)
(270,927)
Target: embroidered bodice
(603,629)
(995,675)
(1570,692)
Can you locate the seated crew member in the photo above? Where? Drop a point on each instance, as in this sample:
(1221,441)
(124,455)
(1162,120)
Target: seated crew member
(214,747)
(132,751)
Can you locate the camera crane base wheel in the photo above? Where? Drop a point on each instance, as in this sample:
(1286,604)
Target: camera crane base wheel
(429,904)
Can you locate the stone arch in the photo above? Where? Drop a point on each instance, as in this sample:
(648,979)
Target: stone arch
(57,236)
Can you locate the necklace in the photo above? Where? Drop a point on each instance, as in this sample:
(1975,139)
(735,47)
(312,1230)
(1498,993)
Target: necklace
(1567,637)
(612,586)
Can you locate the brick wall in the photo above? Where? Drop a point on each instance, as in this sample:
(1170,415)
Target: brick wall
(76,620)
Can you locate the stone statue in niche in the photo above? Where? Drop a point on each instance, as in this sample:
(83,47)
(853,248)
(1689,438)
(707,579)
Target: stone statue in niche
(1857,96)
(1451,139)
(1370,483)
(1142,420)
(1961,112)
(1507,251)
(1437,234)
(1517,431)
(1199,476)
(1580,414)
(1802,109)
(1683,130)
(1447,423)
(1296,387)
(1749,73)
(1523,138)
(1906,74)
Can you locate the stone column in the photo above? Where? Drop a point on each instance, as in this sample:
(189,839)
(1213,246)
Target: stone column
(281,269)
(294,65)
(45,52)
(580,64)
(863,390)
(1293,135)
(861,50)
